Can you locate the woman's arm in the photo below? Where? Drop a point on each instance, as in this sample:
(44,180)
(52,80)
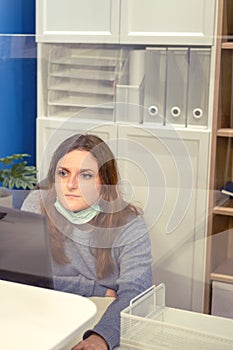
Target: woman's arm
(134,258)
(80,285)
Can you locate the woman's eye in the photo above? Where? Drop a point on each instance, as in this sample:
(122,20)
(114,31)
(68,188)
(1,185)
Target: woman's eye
(86,176)
(62,173)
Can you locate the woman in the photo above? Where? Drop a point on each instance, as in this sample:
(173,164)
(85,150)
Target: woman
(99,242)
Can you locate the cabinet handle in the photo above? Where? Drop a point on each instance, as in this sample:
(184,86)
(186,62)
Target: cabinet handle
(175,111)
(197,113)
(153,110)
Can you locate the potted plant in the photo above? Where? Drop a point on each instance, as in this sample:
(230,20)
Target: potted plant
(15,174)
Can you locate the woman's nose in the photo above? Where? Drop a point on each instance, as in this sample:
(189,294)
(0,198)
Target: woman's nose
(72,183)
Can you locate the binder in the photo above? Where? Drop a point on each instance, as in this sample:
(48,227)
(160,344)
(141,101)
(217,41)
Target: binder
(155,84)
(198,87)
(177,79)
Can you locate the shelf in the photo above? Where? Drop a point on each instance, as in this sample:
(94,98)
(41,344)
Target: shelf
(223,211)
(87,61)
(225,132)
(82,101)
(225,208)
(82,87)
(227,45)
(84,74)
(92,113)
(224,272)
(221,277)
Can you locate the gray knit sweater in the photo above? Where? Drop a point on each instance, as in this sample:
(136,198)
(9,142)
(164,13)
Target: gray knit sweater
(131,253)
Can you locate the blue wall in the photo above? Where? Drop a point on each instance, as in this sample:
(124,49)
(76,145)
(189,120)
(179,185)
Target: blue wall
(17,78)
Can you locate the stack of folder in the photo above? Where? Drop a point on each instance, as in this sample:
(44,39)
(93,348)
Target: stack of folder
(177,86)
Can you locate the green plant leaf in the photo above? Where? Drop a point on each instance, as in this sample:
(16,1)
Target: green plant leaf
(15,173)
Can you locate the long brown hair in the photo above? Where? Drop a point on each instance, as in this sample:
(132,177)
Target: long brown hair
(114,213)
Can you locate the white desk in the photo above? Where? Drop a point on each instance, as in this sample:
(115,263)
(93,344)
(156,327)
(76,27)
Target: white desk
(40,319)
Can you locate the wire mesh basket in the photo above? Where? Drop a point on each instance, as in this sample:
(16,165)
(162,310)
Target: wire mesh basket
(148,324)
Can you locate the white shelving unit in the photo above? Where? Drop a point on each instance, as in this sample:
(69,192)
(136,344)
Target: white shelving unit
(220,225)
(94,75)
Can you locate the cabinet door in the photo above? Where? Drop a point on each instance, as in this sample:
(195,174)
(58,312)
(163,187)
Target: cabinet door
(51,132)
(166,172)
(88,21)
(167,22)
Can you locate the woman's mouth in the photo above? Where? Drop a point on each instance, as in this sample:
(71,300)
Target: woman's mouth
(72,196)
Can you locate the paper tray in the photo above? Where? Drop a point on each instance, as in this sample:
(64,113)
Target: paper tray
(148,324)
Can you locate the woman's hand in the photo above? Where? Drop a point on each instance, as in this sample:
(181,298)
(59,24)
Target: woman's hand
(111,293)
(94,342)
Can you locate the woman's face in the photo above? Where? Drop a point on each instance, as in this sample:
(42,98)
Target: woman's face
(77,181)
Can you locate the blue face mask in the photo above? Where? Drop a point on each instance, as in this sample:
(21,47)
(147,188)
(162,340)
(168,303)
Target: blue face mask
(79,217)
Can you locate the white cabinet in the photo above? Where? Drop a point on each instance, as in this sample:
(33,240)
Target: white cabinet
(126,21)
(95,88)
(166,171)
(78,21)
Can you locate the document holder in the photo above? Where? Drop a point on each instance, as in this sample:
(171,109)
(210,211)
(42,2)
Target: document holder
(177,79)
(198,87)
(155,82)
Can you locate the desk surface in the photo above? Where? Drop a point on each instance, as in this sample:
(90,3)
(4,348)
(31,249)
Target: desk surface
(37,318)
